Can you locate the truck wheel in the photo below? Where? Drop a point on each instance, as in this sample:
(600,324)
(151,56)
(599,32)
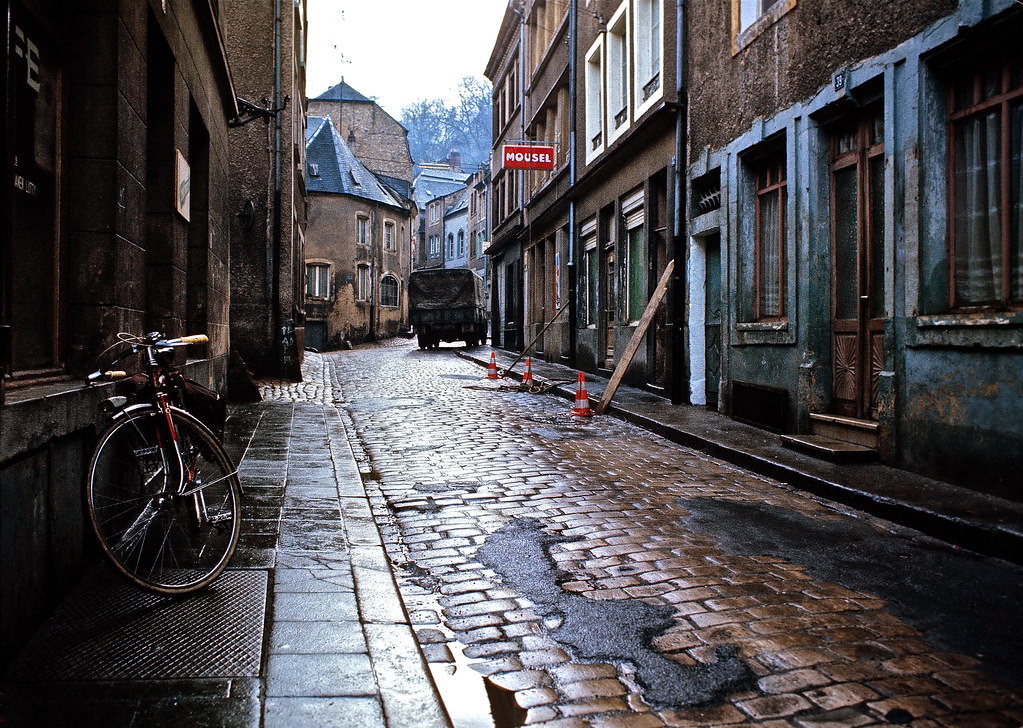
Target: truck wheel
(424,341)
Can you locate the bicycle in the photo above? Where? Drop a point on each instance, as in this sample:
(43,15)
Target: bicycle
(163,496)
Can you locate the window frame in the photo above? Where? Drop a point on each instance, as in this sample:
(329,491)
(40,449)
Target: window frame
(362,230)
(742,36)
(647,36)
(385,286)
(326,267)
(765,185)
(362,283)
(1007,100)
(390,235)
(594,99)
(618,75)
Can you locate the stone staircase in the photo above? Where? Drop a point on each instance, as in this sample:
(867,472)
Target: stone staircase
(837,438)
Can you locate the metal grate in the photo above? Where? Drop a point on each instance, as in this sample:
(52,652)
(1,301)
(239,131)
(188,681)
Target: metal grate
(109,630)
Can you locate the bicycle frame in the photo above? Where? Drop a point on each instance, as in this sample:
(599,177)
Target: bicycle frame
(160,377)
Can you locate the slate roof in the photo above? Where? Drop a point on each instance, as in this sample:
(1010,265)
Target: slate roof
(332,168)
(432,183)
(460,204)
(342,92)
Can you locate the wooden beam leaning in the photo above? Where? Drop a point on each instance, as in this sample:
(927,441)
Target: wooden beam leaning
(637,338)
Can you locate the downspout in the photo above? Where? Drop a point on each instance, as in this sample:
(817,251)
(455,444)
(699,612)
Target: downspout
(680,389)
(573,283)
(275,302)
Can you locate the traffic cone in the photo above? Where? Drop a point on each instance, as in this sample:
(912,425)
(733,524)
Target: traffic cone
(527,376)
(492,368)
(582,400)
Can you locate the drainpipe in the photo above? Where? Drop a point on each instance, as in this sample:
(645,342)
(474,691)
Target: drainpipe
(275,303)
(680,389)
(573,268)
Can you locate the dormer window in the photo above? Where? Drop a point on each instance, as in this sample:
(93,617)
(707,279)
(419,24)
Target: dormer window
(314,169)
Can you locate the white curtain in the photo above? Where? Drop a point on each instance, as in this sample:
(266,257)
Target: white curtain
(978,259)
(770,253)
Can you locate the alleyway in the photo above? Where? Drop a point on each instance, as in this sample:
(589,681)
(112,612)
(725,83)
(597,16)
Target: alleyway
(609,577)
(554,571)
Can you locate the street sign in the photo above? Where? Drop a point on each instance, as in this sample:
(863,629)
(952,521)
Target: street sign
(518,156)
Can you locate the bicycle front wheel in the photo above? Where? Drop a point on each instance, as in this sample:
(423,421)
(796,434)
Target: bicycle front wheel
(168,525)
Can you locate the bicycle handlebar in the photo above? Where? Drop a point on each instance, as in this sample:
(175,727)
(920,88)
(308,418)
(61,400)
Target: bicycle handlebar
(191,339)
(138,342)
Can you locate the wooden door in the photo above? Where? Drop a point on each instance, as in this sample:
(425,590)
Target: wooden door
(858,283)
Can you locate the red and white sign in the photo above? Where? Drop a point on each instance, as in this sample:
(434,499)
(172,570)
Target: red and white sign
(527,157)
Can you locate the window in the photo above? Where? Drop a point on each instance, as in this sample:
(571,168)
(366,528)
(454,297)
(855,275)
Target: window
(33,254)
(389,291)
(986,186)
(636,252)
(617,74)
(751,10)
(539,32)
(434,211)
(461,243)
(450,250)
(594,89)
(317,280)
(647,43)
(362,230)
(362,287)
(589,298)
(769,239)
(751,17)
(389,239)
(434,246)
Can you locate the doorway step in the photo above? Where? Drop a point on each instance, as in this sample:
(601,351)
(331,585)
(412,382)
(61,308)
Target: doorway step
(837,438)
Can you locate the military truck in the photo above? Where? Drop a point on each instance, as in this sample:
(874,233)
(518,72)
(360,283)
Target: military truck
(446,304)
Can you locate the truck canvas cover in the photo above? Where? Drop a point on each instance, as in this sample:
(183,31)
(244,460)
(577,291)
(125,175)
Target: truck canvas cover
(456,288)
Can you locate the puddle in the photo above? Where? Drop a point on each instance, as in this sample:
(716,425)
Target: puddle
(608,631)
(464,692)
(454,485)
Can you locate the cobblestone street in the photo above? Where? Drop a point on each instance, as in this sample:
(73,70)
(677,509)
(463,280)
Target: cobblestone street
(602,576)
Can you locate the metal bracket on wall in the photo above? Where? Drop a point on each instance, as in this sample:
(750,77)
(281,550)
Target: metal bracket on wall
(251,111)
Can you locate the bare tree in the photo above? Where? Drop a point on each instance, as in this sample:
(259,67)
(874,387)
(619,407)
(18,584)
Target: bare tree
(436,128)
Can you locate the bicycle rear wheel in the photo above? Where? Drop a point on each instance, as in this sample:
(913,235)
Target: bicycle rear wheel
(163,540)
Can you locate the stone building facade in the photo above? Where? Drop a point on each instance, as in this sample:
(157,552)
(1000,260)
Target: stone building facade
(116,134)
(836,186)
(370,133)
(854,229)
(267,191)
(358,246)
(584,244)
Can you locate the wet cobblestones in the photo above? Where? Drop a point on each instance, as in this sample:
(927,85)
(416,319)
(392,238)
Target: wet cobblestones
(448,465)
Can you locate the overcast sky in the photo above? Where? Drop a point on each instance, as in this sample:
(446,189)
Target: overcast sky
(400,51)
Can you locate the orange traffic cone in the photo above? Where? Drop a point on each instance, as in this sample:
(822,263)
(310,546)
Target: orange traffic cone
(582,400)
(527,376)
(492,368)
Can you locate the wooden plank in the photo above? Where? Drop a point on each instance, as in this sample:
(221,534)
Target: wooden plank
(637,338)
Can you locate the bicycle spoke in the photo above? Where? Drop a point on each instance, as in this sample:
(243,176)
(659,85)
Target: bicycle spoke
(167,529)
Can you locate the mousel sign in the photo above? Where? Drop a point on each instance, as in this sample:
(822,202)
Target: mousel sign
(520,156)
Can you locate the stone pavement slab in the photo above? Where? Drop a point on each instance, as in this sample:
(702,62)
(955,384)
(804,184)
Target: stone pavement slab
(306,629)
